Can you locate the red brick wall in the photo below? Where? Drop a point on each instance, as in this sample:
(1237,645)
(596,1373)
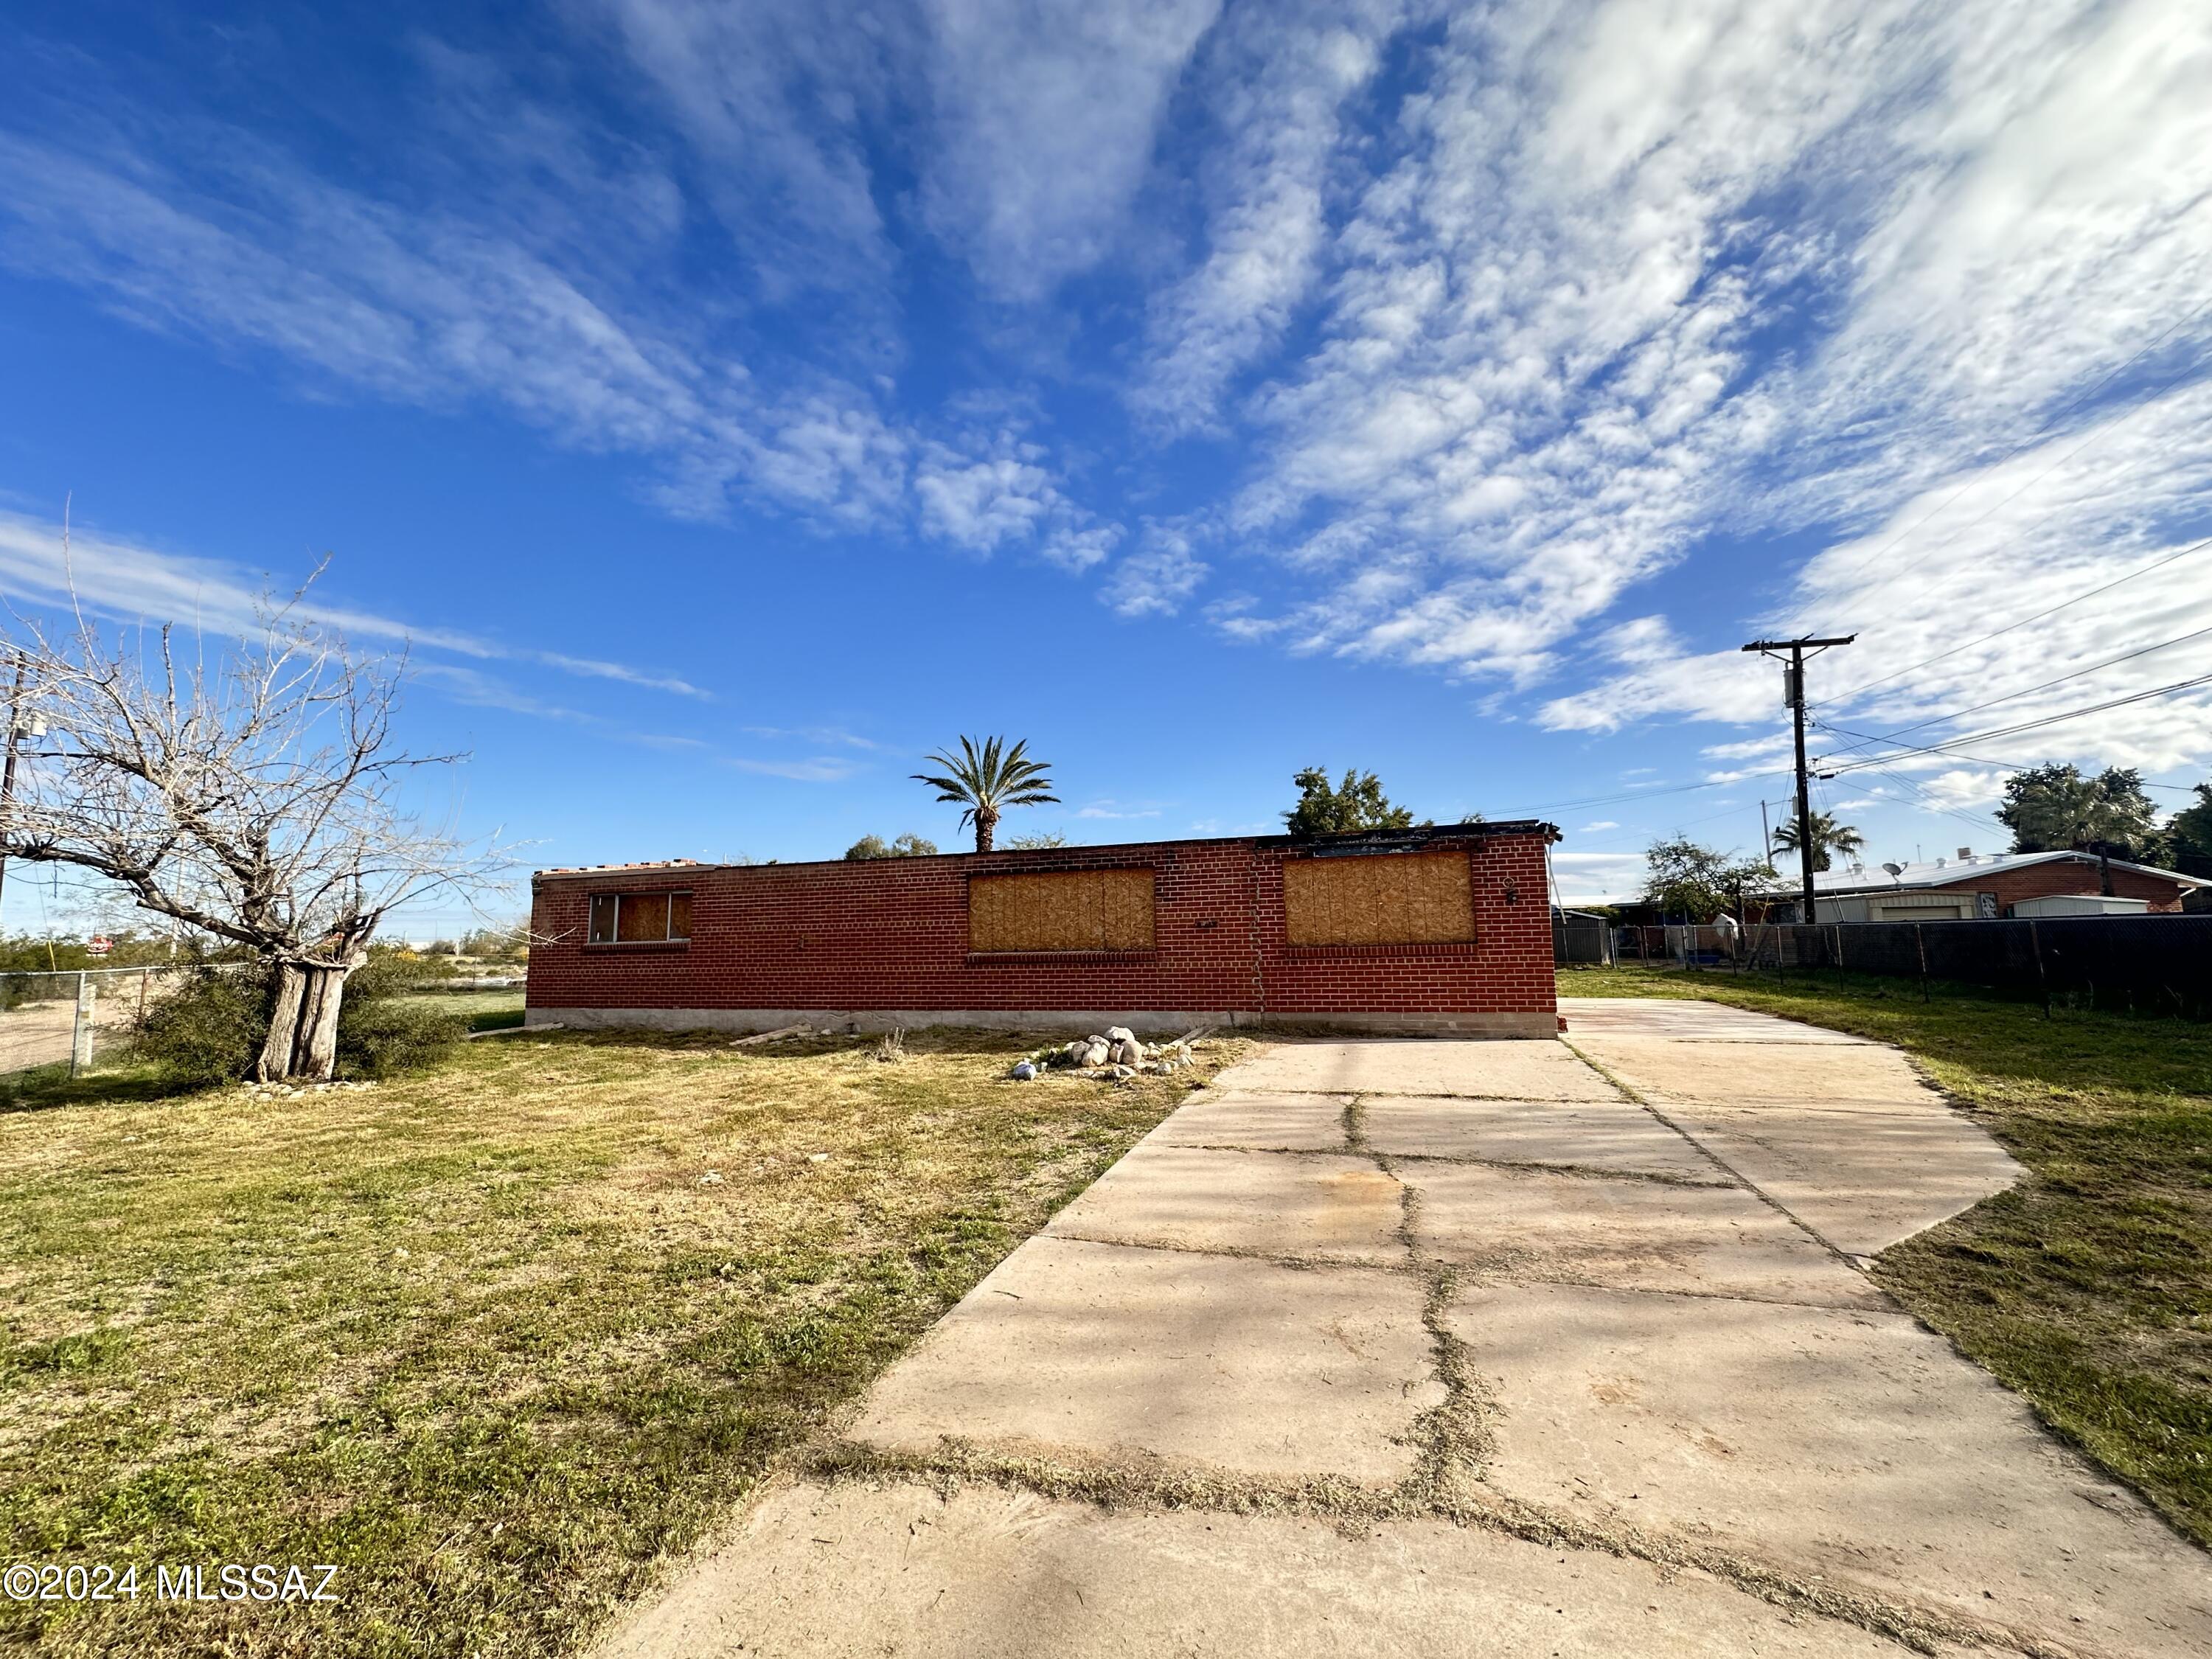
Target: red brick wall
(892,933)
(2066,876)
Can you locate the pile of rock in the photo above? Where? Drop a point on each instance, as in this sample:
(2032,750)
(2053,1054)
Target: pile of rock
(1117,1053)
(286,1091)
(1119,1047)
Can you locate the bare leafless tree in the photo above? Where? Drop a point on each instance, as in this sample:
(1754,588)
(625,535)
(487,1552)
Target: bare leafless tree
(256,797)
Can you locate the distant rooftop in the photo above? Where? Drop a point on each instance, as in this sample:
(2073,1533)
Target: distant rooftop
(1931,873)
(1949,872)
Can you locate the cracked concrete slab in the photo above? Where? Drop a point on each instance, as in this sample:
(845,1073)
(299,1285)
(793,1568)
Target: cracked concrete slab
(1688,1016)
(1256,1121)
(1587,1135)
(1854,1446)
(1526,1070)
(1863,1180)
(1638,1235)
(855,1569)
(1664,1069)
(1722,1392)
(1317,1207)
(1115,1353)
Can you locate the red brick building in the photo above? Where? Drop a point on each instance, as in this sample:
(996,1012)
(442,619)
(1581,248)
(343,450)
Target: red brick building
(1440,929)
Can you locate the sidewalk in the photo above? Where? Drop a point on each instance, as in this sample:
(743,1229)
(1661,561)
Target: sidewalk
(1468,1348)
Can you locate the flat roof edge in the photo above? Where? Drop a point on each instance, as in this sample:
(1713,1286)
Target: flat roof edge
(1416,836)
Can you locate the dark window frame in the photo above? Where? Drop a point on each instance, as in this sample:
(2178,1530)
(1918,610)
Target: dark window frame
(611,938)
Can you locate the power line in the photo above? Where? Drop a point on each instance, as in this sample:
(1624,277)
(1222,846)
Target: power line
(2156,564)
(1640,794)
(1952,744)
(2013,697)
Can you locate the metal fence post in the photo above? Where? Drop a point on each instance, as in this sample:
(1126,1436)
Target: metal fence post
(1920,943)
(2042,975)
(81,1039)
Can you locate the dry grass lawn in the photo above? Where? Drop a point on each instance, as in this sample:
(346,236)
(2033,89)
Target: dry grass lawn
(491,1339)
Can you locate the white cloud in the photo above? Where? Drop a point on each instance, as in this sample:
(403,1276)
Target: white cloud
(815,735)
(1282,76)
(1156,580)
(1045,117)
(1114,809)
(1592,877)
(436,308)
(828,769)
(776,94)
(1602,824)
(1966,557)
(1482,318)
(131,582)
(1548,367)
(978,504)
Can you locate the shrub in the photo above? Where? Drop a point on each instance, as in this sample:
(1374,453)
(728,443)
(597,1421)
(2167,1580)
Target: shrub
(210,1029)
(382,1030)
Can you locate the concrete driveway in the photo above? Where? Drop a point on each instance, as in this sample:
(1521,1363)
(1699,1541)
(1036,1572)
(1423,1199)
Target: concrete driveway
(1468,1348)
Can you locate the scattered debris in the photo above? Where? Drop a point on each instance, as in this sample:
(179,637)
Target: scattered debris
(274,1091)
(513,1030)
(712,1178)
(768,1036)
(817,1157)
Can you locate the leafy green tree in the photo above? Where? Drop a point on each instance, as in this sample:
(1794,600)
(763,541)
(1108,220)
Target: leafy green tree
(2058,809)
(1696,884)
(2188,834)
(1828,837)
(987,780)
(908,846)
(1356,804)
(1039,841)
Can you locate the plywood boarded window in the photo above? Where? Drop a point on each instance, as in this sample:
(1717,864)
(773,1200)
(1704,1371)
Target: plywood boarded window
(1399,898)
(1062,910)
(640,918)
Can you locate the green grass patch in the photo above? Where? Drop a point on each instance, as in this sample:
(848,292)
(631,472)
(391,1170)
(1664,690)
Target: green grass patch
(493,1339)
(484,1011)
(2086,1288)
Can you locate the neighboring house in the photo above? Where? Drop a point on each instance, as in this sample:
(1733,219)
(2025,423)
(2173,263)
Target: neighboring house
(1989,884)
(1442,928)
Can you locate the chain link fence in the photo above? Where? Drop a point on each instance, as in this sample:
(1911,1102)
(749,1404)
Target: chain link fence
(70,1018)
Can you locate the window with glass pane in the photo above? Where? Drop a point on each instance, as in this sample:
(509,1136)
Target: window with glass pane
(640,918)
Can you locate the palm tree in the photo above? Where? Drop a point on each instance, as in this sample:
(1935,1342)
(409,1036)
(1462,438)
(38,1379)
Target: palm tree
(987,780)
(1829,836)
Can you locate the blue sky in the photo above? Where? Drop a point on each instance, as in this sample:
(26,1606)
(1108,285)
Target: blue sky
(729,402)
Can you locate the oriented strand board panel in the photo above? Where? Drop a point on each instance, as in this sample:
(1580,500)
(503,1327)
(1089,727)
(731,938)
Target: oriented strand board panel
(1398,898)
(1062,910)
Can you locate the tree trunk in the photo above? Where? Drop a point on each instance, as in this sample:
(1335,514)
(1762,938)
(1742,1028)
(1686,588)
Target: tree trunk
(987,824)
(303,1024)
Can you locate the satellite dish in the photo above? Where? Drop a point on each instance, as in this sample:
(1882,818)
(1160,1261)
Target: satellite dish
(1895,870)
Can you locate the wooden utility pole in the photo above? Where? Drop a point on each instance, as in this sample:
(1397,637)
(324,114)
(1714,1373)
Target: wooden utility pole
(1793,693)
